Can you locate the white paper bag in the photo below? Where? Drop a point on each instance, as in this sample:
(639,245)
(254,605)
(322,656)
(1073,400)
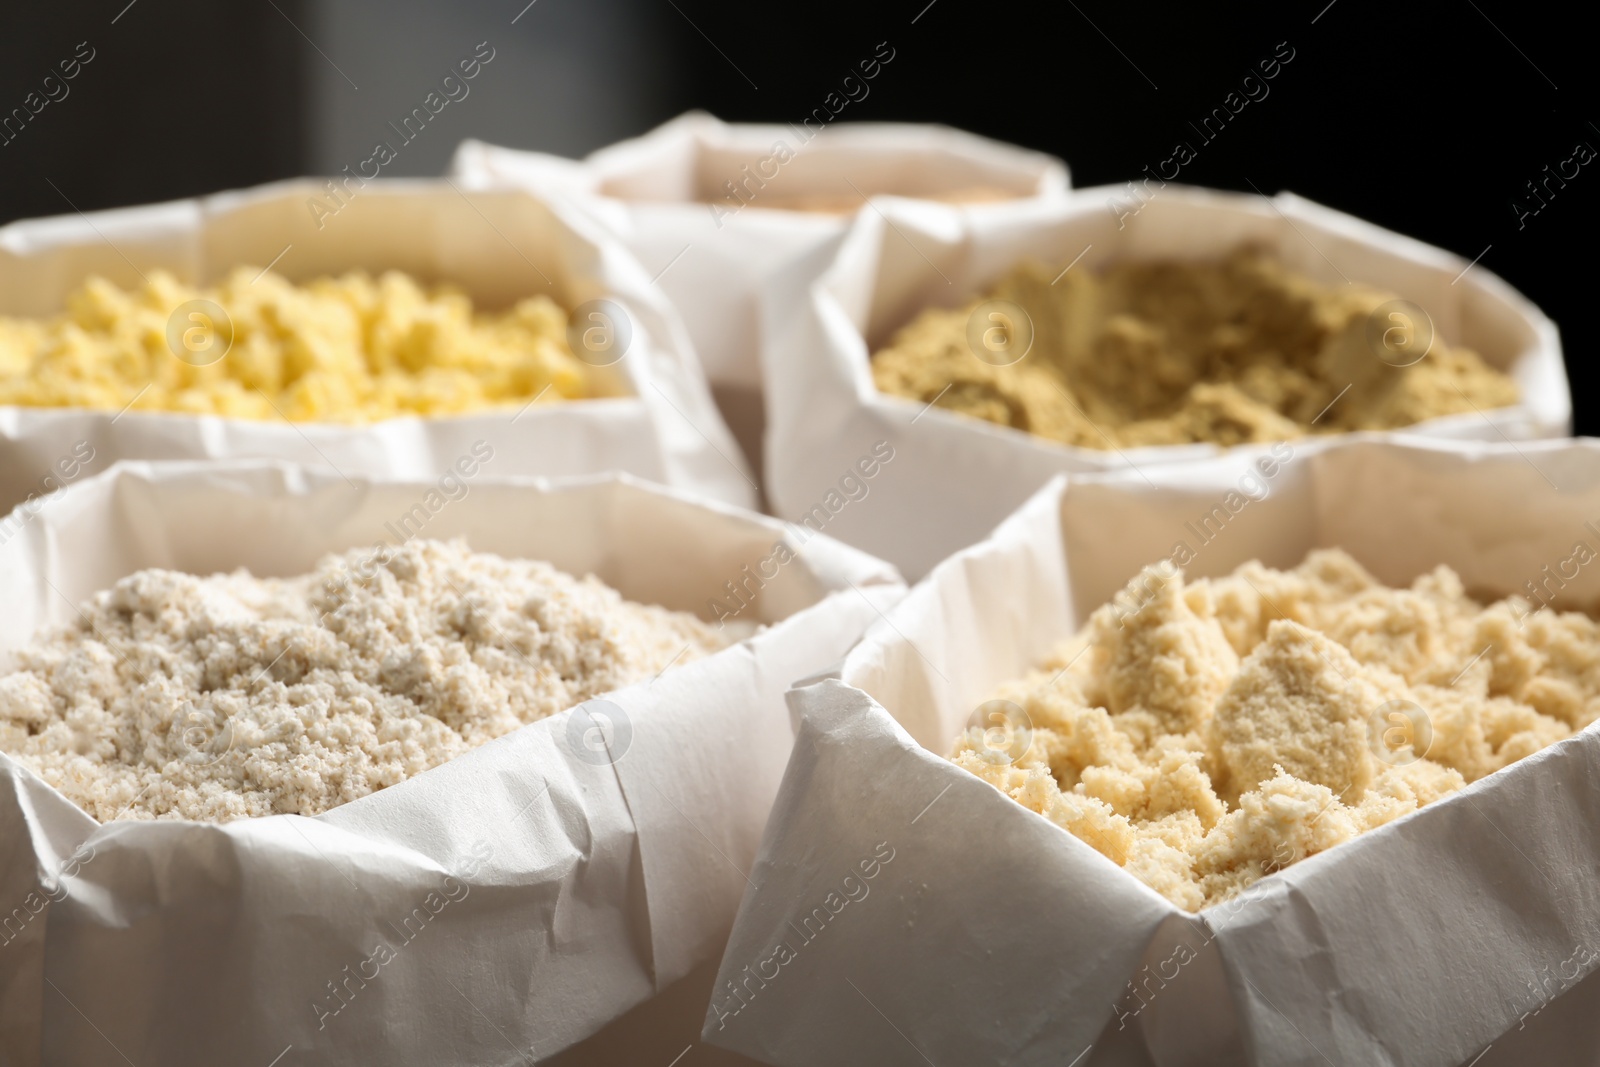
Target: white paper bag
(656,419)
(712,258)
(828,312)
(590,884)
(993,936)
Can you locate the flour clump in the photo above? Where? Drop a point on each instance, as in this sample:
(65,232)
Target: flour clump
(215,698)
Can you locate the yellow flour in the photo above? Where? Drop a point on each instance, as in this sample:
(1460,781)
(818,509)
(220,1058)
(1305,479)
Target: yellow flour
(352,349)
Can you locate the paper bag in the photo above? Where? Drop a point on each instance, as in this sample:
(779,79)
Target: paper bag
(709,209)
(958,475)
(653,418)
(899,903)
(578,886)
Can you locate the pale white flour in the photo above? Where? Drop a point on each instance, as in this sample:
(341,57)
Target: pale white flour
(228,696)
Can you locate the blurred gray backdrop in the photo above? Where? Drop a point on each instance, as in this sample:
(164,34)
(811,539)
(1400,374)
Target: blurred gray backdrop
(568,76)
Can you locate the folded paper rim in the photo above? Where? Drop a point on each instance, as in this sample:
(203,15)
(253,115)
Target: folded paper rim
(670,941)
(1549,411)
(661,388)
(1285,903)
(293,479)
(482,161)
(826,311)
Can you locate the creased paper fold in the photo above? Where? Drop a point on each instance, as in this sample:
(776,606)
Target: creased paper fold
(996,937)
(697,201)
(525,891)
(828,310)
(654,418)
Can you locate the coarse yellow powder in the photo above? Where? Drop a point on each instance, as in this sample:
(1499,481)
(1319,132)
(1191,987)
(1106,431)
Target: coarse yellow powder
(352,349)
(1205,734)
(1166,352)
(177,696)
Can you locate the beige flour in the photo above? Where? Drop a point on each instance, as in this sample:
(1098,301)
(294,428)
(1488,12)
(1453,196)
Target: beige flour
(228,696)
(1205,734)
(1164,353)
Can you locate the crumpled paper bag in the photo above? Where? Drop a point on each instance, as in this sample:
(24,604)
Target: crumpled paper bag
(495,909)
(993,936)
(654,416)
(663,196)
(828,311)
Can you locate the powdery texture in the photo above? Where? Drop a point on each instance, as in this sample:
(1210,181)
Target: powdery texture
(351,349)
(175,696)
(1204,735)
(1165,353)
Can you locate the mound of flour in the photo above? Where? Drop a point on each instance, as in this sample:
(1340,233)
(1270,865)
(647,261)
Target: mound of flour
(228,696)
(1204,734)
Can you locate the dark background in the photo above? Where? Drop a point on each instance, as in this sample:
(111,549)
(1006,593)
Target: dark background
(1426,118)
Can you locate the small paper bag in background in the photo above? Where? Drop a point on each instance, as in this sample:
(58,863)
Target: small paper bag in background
(958,476)
(712,208)
(654,417)
(899,900)
(584,882)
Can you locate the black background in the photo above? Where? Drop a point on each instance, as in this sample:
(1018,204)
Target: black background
(1426,118)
